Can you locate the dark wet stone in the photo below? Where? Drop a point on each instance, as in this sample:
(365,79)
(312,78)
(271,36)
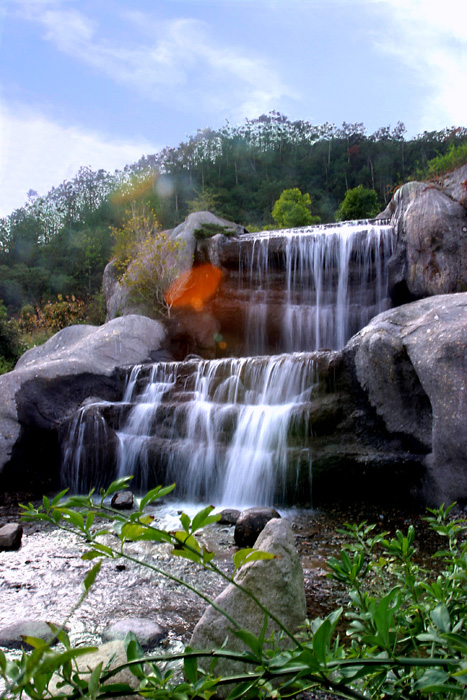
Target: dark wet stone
(148,633)
(10,536)
(251,523)
(11,636)
(229,516)
(122,500)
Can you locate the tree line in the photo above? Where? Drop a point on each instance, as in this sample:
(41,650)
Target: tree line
(58,244)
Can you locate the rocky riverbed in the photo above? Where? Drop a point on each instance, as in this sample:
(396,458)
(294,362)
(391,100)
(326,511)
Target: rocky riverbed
(43,579)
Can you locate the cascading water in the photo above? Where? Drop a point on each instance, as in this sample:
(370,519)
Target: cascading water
(235,431)
(334,281)
(227,440)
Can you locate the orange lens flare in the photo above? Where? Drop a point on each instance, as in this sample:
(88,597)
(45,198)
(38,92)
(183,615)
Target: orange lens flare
(195,287)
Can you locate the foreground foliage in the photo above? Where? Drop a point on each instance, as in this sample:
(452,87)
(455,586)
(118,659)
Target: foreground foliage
(405,625)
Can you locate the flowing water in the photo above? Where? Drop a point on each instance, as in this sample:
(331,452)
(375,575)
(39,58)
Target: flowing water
(335,280)
(227,440)
(234,431)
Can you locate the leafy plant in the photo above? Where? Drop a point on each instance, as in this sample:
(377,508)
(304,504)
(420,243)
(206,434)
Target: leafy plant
(156,266)
(139,225)
(405,625)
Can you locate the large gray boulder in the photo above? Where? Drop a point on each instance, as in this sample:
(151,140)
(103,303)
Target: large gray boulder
(50,382)
(277,583)
(411,363)
(194,247)
(430,222)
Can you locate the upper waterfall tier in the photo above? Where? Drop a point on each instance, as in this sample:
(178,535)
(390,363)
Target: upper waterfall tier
(303,289)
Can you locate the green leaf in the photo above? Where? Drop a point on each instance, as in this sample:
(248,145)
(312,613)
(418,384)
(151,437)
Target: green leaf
(90,520)
(245,556)
(251,641)
(207,556)
(384,618)
(88,556)
(321,639)
(185,521)
(190,667)
(91,575)
(440,616)
(146,519)
(102,548)
(117,485)
(133,653)
(35,642)
(204,518)
(52,663)
(457,641)
(433,681)
(185,540)
(137,531)
(156,493)
(71,515)
(58,497)
(94,680)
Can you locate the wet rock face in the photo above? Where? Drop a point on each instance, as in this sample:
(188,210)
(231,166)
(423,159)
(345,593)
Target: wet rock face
(51,381)
(411,363)
(430,256)
(122,500)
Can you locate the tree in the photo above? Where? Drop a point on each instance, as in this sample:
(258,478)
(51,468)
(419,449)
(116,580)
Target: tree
(359,203)
(292,209)
(156,266)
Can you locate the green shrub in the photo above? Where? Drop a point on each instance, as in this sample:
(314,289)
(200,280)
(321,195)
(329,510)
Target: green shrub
(292,209)
(359,203)
(52,316)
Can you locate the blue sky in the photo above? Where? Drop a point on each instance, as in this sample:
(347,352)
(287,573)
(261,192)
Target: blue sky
(102,82)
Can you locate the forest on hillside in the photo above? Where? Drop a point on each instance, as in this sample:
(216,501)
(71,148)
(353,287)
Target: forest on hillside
(56,246)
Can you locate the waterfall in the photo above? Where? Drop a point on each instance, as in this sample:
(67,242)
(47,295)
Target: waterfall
(236,431)
(335,280)
(227,441)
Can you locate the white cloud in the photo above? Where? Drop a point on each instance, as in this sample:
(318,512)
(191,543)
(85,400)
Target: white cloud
(180,61)
(430,40)
(38,154)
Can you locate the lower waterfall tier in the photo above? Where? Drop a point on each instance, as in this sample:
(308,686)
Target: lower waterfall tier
(232,431)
